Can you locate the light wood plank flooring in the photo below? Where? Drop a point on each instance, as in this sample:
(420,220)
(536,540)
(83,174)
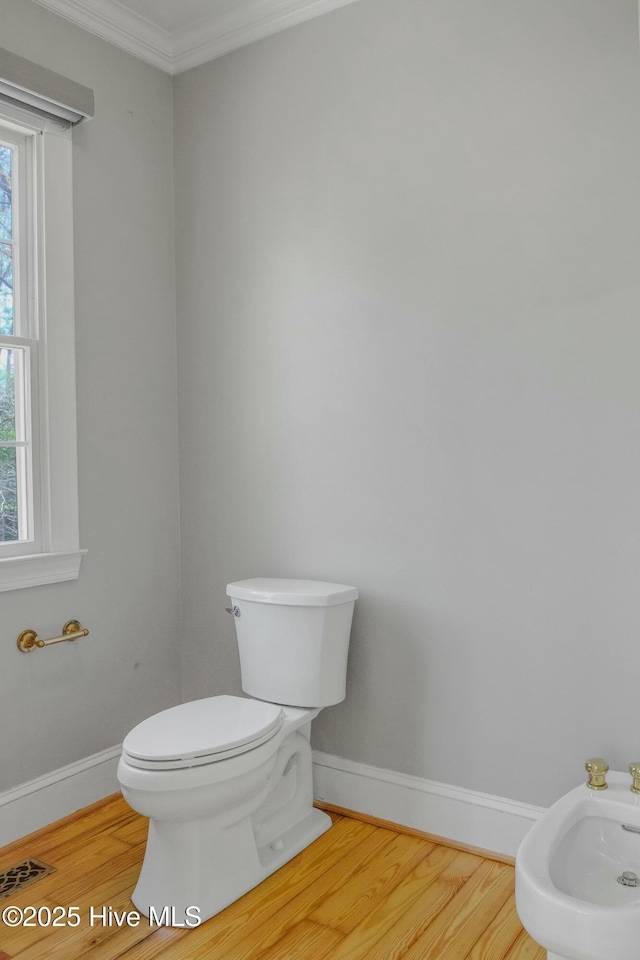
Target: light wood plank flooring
(360,891)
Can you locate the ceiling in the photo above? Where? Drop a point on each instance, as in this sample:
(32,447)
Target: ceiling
(176,35)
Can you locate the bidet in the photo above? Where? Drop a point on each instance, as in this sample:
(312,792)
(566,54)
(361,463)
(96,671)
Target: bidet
(578,874)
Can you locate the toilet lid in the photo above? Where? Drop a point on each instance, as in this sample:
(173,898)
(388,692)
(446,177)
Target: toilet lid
(202,731)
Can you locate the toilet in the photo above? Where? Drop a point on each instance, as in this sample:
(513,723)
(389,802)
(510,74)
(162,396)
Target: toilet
(226,781)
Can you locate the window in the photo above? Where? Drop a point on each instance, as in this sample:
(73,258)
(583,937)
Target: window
(18,343)
(38,474)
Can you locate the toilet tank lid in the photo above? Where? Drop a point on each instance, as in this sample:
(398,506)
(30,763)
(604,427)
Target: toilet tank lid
(292,593)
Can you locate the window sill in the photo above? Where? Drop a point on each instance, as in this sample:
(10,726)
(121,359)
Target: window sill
(31,571)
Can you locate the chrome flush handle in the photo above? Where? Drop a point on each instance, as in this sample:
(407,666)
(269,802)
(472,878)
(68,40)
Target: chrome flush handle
(234,610)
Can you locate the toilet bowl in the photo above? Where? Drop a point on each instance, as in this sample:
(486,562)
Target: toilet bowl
(226,781)
(217,824)
(575,889)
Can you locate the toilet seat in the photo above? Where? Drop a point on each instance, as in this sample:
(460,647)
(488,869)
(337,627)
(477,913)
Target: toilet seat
(201,732)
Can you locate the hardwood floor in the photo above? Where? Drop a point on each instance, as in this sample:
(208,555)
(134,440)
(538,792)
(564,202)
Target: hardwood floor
(360,891)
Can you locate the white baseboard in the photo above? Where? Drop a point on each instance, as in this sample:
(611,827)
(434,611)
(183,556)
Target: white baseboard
(463,816)
(41,801)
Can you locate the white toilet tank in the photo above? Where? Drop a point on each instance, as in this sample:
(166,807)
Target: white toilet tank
(293,637)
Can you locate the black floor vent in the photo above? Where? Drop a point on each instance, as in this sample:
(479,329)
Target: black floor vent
(22,875)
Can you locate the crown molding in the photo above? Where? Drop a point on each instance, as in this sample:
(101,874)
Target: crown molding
(245,23)
(227,30)
(110,21)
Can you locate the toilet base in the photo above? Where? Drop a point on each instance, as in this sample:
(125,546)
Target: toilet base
(212,840)
(193,869)
(556,956)
(192,892)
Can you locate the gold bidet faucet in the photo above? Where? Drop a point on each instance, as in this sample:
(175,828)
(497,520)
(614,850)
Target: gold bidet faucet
(597,770)
(634,770)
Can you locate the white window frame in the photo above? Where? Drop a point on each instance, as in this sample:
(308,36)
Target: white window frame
(52,554)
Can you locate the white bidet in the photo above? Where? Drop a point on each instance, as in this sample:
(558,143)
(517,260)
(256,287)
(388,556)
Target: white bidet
(578,875)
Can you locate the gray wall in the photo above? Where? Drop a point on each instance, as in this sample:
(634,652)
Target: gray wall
(407,261)
(407,246)
(65,703)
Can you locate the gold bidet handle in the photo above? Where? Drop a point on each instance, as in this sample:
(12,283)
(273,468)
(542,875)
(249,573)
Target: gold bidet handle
(634,770)
(597,770)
